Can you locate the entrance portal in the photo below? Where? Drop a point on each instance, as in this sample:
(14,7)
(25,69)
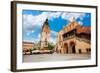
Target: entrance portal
(73,49)
(72,45)
(65,48)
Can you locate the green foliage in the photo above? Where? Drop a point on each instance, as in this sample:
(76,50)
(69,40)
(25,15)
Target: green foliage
(34,48)
(50,46)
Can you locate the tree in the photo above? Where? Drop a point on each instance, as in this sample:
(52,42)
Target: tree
(50,46)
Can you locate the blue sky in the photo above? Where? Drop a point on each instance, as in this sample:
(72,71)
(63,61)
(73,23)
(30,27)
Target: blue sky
(33,21)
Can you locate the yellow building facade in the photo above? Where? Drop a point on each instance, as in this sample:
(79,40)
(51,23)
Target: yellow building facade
(74,38)
(28,46)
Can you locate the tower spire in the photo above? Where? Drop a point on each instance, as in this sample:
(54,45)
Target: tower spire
(45,32)
(46,21)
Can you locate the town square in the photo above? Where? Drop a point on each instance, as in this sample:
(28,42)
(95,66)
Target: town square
(56,36)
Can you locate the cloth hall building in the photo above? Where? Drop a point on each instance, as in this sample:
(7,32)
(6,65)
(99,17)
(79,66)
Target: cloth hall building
(74,38)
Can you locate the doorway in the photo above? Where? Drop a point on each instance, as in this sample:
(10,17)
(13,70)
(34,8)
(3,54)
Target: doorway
(72,45)
(73,49)
(65,48)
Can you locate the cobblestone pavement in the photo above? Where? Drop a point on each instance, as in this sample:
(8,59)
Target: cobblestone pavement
(55,57)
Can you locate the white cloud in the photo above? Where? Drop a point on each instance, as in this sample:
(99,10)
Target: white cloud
(53,32)
(36,40)
(32,40)
(80,22)
(34,20)
(52,40)
(32,31)
(69,16)
(40,19)
(31,22)
(53,37)
(27,33)
(65,15)
(81,18)
(38,35)
(52,15)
